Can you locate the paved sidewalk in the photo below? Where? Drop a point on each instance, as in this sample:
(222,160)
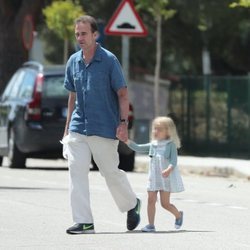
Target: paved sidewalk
(209,166)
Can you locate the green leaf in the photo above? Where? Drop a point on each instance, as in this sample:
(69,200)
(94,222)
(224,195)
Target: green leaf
(60,16)
(240,3)
(156,7)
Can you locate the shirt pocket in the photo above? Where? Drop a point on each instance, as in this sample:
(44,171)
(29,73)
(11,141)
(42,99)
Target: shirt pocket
(98,80)
(77,80)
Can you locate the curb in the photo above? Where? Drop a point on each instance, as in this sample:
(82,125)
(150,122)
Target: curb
(205,166)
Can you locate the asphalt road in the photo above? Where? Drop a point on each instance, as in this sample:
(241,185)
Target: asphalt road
(34,213)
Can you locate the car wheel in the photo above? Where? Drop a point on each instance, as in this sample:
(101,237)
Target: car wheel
(1,161)
(16,159)
(127,161)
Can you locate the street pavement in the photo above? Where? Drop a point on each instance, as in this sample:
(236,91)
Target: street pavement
(35,212)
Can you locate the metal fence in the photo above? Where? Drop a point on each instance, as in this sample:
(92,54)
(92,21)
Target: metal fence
(213,114)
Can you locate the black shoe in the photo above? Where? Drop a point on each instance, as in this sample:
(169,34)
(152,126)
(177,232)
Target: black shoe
(80,228)
(133,217)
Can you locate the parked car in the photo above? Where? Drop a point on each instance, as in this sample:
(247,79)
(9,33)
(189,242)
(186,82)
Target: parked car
(33,110)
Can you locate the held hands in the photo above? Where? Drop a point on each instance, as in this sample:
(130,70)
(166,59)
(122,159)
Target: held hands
(122,132)
(166,172)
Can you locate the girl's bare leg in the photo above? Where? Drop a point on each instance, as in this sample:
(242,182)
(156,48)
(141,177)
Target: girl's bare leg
(152,197)
(165,203)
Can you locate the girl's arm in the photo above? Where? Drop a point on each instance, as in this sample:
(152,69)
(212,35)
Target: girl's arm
(140,148)
(173,156)
(172,160)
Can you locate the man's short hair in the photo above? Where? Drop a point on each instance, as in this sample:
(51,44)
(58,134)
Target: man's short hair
(88,19)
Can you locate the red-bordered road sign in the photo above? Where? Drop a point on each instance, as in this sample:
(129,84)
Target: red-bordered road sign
(28,32)
(126,21)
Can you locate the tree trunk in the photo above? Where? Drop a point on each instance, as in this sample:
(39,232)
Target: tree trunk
(157,66)
(12,51)
(66,51)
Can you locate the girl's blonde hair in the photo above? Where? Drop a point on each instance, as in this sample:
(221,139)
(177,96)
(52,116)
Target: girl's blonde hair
(168,123)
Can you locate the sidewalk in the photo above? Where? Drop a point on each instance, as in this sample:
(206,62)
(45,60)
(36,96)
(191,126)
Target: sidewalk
(208,166)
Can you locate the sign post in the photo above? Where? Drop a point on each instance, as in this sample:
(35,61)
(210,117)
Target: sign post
(125,56)
(27,32)
(126,22)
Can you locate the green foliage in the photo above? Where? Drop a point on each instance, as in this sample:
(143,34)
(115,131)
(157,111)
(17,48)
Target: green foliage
(60,16)
(225,31)
(240,3)
(156,8)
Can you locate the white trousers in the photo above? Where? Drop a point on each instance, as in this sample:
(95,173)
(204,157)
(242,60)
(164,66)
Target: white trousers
(104,151)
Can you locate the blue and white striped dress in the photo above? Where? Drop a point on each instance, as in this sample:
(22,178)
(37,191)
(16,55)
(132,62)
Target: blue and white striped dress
(162,154)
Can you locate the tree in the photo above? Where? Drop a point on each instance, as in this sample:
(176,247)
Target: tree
(12,51)
(60,16)
(223,30)
(158,10)
(241,3)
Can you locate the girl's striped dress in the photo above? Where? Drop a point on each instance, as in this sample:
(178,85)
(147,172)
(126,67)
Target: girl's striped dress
(162,154)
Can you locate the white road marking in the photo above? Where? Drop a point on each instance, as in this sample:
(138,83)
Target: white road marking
(243,245)
(215,204)
(23,179)
(25,203)
(191,201)
(238,207)
(7,176)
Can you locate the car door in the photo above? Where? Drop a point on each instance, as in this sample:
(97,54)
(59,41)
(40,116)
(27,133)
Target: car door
(7,107)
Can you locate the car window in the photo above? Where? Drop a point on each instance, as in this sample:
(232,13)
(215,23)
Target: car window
(53,86)
(16,85)
(9,86)
(27,86)
(12,85)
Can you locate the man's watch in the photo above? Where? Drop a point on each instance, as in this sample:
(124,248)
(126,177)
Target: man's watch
(124,121)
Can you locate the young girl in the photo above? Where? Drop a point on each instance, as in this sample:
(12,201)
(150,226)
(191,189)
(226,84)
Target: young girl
(164,175)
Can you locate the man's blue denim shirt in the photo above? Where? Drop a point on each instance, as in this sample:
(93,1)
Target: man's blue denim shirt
(96,84)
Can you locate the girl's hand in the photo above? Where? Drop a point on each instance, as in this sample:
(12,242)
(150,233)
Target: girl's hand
(166,172)
(127,142)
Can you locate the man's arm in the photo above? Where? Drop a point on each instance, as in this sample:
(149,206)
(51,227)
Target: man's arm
(122,130)
(71,106)
(123,102)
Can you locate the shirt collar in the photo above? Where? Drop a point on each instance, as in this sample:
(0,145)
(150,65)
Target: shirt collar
(97,56)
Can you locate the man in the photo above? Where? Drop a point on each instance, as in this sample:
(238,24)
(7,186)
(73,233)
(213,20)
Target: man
(97,116)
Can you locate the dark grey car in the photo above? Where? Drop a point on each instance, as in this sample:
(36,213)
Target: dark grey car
(33,110)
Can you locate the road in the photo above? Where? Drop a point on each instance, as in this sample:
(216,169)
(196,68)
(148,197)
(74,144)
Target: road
(35,213)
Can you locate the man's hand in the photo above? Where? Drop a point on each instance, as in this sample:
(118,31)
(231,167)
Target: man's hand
(122,132)
(65,133)
(122,129)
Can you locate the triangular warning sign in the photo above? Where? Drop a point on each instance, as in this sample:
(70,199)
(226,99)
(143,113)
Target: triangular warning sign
(126,21)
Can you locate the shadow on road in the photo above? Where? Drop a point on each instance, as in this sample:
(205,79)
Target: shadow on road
(47,168)
(158,232)
(31,188)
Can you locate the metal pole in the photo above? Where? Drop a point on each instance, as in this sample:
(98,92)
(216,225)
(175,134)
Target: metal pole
(189,86)
(208,90)
(125,56)
(229,115)
(248,97)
